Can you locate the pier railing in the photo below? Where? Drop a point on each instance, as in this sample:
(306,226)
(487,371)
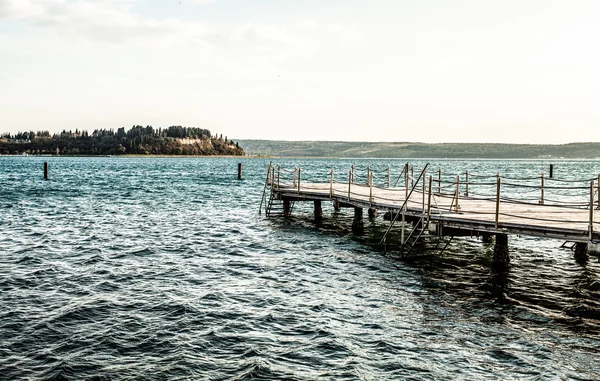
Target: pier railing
(484,196)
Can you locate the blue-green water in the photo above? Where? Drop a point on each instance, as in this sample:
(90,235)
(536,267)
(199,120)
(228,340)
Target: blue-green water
(161,268)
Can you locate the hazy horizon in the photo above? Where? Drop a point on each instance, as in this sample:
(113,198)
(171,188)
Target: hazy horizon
(336,70)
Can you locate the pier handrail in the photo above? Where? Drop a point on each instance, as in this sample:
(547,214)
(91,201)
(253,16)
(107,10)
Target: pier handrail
(400,175)
(415,184)
(262,200)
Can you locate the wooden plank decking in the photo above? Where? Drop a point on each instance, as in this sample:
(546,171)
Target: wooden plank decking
(477,214)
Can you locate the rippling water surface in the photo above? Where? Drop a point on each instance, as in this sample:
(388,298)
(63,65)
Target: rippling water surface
(161,268)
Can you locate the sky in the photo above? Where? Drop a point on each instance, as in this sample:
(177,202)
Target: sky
(507,71)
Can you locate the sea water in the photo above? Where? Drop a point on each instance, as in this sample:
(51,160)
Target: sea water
(162,268)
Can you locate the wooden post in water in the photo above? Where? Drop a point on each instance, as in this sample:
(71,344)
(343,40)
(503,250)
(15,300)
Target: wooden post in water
(45,170)
(498,182)
(239,171)
(551,170)
(318,210)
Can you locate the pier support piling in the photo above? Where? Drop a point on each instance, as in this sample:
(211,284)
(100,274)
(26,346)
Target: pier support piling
(372,212)
(358,225)
(486,237)
(580,252)
(287,207)
(501,255)
(318,210)
(239,171)
(336,205)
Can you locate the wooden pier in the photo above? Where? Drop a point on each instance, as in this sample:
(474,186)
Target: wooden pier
(465,205)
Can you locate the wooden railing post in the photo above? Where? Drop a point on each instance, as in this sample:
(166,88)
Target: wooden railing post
(331,185)
(349,183)
(591,224)
(424,191)
(439,181)
(352,173)
(412,177)
(370,180)
(278,175)
(269,177)
(272,175)
(498,182)
(295,169)
(299,173)
(542,189)
(456,206)
(598,191)
(368,173)
(429,199)
(406,180)
(467,183)
(389,180)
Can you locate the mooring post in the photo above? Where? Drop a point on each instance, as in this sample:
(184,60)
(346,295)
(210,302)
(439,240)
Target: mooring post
(498,182)
(501,253)
(542,198)
(240,171)
(551,170)
(358,223)
(45,170)
(318,210)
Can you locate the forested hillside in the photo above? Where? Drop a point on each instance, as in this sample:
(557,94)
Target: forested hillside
(174,140)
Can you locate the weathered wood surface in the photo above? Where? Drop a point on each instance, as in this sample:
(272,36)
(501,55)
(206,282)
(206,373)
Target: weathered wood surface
(567,223)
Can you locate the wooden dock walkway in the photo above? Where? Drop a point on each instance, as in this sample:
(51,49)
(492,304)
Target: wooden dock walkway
(468,205)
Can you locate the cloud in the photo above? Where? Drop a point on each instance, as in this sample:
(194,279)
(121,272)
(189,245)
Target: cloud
(115,22)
